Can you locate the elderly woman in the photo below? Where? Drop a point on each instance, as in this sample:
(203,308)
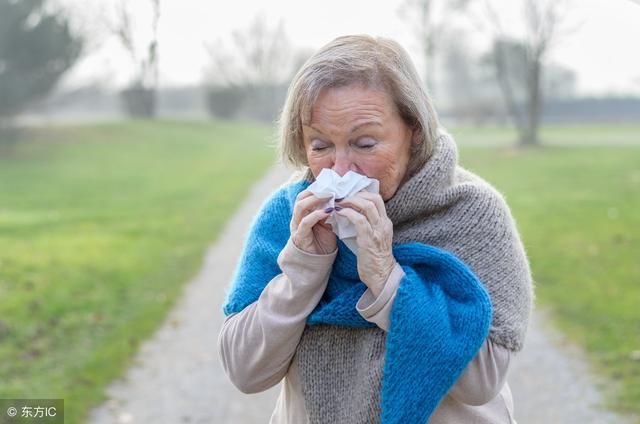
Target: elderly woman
(421,323)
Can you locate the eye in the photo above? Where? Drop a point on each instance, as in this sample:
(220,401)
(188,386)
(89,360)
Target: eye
(366,143)
(318,145)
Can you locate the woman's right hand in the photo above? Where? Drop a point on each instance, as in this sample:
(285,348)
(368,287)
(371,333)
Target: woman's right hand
(309,232)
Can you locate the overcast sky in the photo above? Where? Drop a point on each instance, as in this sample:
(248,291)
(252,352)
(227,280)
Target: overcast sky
(603,50)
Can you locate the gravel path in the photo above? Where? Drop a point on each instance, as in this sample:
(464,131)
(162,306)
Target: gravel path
(176,377)
(551,381)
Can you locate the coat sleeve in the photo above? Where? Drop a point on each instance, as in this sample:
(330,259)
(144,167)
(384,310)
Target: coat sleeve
(485,375)
(256,345)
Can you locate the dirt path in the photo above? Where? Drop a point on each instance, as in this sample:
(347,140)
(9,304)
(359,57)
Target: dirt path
(176,377)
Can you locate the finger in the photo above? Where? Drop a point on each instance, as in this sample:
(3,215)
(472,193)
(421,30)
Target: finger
(303,194)
(377,200)
(308,193)
(304,207)
(362,205)
(363,227)
(306,224)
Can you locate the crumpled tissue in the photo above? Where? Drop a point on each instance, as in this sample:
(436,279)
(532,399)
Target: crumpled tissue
(330,185)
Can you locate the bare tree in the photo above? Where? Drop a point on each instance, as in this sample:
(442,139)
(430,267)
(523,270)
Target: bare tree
(259,55)
(429,20)
(139,96)
(258,63)
(146,62)
(543,27)
(468,83)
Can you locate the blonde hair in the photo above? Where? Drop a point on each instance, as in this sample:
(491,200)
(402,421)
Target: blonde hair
(378,63)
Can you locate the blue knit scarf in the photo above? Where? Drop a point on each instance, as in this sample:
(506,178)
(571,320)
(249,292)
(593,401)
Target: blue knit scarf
(440,317)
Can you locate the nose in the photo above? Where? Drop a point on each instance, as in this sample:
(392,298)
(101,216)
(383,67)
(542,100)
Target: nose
(343,163)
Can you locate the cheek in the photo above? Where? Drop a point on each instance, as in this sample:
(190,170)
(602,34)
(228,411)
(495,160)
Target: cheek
(388,169)
(379,168)
(388,163)
(316,164)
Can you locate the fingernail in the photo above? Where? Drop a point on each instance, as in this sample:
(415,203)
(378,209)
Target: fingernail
(338,208)
(328,210)
(340,199)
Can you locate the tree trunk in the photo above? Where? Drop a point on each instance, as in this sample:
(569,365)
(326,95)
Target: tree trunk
(502,75)
(429,46)
(534,105)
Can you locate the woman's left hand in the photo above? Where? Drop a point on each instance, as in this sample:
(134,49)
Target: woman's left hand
(374,237)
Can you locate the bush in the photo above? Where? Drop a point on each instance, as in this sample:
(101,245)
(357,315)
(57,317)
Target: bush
(139,102)
(225,101)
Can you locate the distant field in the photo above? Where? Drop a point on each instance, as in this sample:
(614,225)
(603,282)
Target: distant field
(586,134)
(578,209)
(100,226)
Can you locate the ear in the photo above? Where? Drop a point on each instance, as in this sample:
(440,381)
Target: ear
(416,137)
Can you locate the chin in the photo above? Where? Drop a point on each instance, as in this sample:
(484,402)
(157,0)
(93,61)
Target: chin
(386,195)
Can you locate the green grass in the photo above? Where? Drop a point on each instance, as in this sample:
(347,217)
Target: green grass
(100,226)
(578,210)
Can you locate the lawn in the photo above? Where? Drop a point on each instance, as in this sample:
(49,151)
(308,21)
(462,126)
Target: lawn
(578,209)
(100,226)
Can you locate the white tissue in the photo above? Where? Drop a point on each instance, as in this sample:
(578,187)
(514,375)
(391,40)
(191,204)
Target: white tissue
(332,186)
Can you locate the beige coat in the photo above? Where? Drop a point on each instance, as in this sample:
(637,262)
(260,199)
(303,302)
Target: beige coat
(257,345)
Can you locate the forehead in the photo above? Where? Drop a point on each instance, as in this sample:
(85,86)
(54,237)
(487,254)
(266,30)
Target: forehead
(336,106)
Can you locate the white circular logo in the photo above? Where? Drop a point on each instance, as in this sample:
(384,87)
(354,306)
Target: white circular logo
(12,412)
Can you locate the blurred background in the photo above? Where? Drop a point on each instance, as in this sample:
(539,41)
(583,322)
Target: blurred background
(479,59)
(131,131)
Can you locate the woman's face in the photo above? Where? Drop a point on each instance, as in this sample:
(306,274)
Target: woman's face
(354,128)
